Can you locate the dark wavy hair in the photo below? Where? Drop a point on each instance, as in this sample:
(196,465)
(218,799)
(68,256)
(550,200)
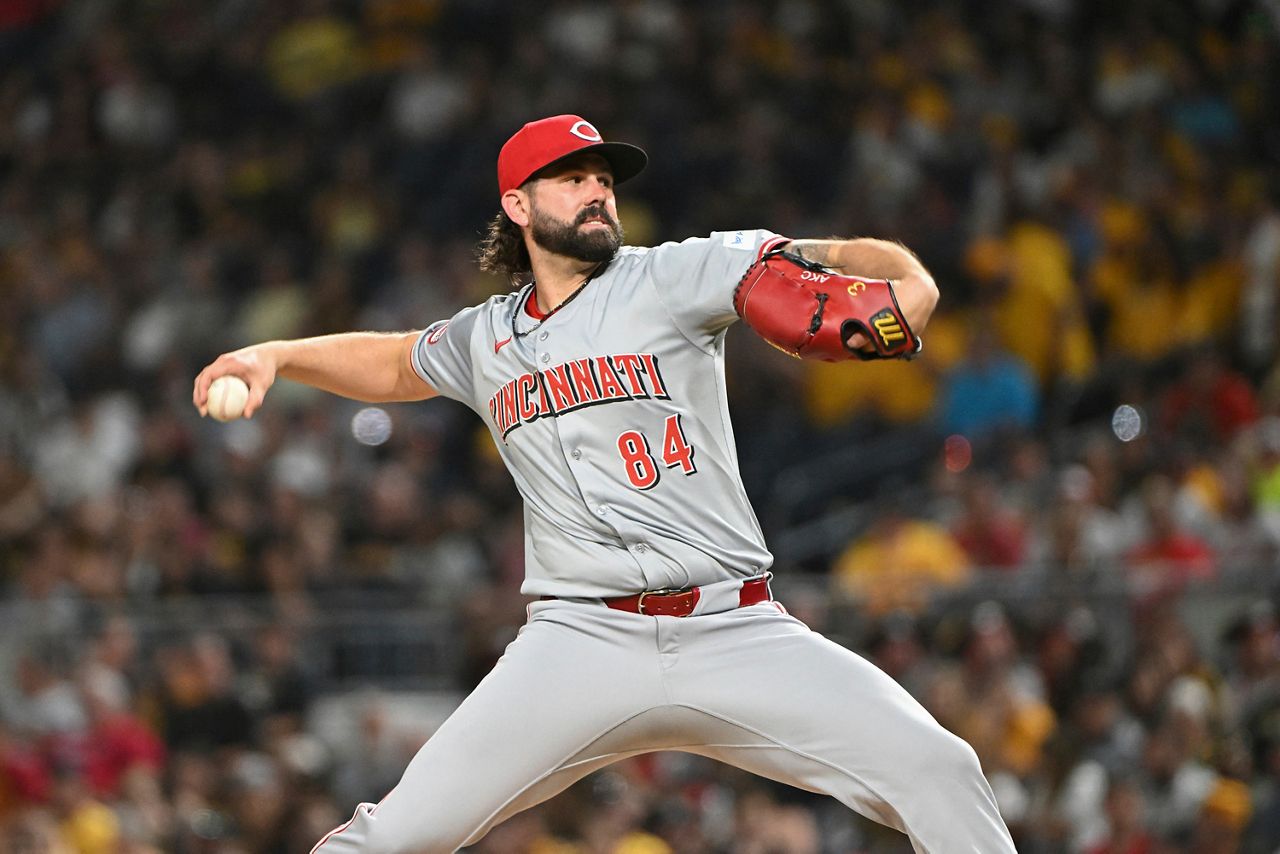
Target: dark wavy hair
(502,251)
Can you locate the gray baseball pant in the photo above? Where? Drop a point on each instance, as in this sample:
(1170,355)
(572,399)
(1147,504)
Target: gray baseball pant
(583,686)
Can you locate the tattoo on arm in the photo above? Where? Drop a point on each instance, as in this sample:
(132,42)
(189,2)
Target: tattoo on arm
(818,251)
(860,256)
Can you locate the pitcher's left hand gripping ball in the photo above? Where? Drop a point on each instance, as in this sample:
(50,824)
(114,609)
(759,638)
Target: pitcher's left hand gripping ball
(809,311)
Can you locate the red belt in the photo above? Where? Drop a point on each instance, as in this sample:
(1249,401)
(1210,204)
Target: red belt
(680,603)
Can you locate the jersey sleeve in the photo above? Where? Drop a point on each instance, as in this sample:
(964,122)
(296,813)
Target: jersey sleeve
(695,278)
(442,355)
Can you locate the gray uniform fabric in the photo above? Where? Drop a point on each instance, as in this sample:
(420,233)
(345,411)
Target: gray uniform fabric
(559,394)
(611,416)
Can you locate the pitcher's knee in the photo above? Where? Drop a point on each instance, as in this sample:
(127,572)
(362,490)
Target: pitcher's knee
(382,840)
(386,838)
(950,757)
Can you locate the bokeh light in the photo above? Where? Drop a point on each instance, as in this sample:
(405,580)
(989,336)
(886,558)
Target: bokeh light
(1127,422)
(957,453)
(371,426)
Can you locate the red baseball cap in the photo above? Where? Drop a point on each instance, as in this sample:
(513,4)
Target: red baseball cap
(539,144)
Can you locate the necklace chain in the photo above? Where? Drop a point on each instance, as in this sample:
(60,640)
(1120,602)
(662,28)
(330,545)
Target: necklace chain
(599,269)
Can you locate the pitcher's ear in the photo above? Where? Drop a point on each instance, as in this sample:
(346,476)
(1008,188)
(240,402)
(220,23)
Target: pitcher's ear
(515,204)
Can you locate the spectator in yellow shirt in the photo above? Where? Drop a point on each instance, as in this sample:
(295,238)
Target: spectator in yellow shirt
(899,563)
(1026,280)
(87,826)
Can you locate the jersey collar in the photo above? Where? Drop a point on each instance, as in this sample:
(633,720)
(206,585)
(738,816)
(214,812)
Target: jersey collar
(526,315)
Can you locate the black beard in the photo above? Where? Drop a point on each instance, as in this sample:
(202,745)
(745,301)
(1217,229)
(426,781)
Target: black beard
(564,238)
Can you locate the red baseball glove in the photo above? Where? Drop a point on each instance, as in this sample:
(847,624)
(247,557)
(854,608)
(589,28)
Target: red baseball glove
(810,312)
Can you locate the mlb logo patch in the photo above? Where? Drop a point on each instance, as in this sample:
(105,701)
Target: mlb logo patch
(737,240)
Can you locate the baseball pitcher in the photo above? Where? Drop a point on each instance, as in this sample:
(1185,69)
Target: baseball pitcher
(601,378)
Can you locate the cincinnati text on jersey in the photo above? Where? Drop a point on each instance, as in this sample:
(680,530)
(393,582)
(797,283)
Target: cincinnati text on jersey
(576,385)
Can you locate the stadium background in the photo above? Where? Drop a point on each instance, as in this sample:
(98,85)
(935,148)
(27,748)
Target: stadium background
(1059,529)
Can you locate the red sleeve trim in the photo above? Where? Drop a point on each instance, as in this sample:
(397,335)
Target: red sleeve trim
(771,244)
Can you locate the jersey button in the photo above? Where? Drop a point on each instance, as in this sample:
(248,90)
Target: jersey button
(641,548)
(602,509)
(546,357)
(543,336)
(576,454)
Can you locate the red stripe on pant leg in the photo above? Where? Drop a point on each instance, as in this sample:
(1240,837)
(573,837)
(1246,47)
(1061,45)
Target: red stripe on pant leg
(372,809)
(337,830)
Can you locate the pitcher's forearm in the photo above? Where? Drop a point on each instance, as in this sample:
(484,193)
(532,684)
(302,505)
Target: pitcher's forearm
(872,258)
(367,366)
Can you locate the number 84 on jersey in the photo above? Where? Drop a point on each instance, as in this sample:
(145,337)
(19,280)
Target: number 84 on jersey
(638,458)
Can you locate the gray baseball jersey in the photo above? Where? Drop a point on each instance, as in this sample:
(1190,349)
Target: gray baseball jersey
(612,417)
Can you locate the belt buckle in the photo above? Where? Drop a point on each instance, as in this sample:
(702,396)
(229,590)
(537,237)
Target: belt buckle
(661,591)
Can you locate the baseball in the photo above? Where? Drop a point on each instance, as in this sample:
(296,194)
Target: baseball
(227,397)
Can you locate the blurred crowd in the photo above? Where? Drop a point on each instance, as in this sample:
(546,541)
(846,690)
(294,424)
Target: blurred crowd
(1059,528)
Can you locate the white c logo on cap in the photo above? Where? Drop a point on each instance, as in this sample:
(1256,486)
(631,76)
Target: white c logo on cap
(585,130)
